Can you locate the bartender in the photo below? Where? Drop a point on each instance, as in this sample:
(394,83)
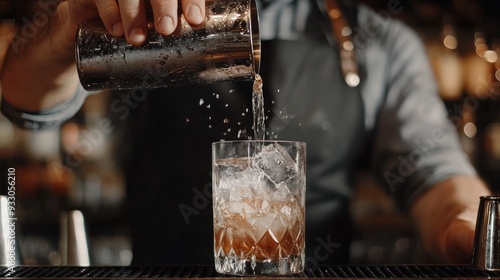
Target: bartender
(381,111)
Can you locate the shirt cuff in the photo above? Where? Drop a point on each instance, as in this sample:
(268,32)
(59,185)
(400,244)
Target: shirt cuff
(46,119)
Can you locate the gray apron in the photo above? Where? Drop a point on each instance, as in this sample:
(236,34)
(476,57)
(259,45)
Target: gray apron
(306,99)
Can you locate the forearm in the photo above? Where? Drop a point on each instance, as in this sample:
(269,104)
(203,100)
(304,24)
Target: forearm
(445,217)
(39,72)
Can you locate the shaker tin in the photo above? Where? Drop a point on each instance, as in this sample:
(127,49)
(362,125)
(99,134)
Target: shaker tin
(225,48)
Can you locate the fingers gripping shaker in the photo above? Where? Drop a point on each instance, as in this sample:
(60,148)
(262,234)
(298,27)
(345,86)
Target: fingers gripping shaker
(226,47)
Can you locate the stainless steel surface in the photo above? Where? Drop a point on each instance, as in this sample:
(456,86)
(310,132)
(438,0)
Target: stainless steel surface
(486,253)
(225,48)
(73,243)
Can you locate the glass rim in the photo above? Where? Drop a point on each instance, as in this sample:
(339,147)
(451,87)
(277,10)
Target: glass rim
(257,141)
(490,197)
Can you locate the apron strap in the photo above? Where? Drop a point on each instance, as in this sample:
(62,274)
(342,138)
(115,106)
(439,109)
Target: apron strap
(342,32)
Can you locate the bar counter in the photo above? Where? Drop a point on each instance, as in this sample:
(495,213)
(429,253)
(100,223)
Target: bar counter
(208,272)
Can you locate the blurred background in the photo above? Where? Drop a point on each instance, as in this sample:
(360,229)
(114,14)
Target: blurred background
(75,167)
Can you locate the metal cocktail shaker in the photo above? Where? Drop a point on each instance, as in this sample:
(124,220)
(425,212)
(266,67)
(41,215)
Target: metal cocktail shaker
(73,244)
(486,254)
(225,48)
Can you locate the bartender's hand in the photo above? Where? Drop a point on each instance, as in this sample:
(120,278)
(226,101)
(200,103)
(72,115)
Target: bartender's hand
(128,17)
(46,60)
(445,217)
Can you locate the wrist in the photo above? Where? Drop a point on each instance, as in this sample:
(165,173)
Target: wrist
(49,118)
(45,89)
(46,59)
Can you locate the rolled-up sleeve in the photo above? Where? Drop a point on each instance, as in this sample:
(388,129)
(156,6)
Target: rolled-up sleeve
(50,118)
(415,144)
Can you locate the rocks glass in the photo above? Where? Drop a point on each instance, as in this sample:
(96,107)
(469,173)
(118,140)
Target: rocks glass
(259,207)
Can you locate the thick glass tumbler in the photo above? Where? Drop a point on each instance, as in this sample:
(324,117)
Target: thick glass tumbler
(259,207)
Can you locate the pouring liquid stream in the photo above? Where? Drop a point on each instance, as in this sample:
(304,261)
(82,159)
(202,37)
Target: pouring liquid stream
(259,127)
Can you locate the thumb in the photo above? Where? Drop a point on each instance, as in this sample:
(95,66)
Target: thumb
(81,10)
(459,242)
(107,10)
